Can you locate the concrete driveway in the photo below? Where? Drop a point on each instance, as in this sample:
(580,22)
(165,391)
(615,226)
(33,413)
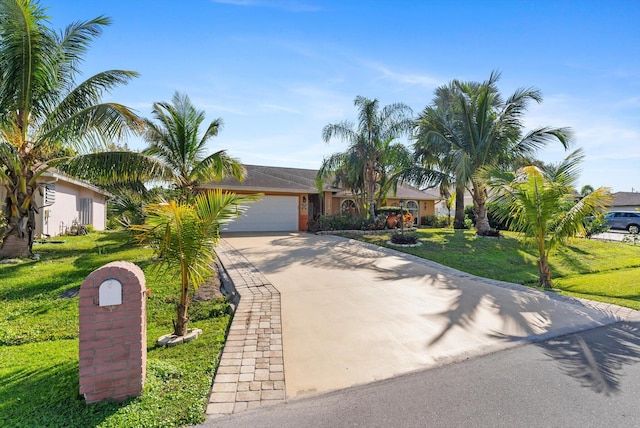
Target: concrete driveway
(353,313)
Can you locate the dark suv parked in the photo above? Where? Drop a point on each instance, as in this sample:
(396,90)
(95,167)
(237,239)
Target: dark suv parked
(627,220)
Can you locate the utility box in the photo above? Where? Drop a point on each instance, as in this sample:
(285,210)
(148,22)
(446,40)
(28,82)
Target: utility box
(113,333)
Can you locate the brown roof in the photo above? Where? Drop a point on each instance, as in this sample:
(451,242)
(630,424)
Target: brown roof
(278,179)
(621,199)
(405,191)
(272,178)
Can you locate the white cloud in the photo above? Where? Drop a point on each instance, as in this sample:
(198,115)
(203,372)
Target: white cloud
(411,79)
(284,109)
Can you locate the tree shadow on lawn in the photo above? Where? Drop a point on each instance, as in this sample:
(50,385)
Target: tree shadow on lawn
(48,397)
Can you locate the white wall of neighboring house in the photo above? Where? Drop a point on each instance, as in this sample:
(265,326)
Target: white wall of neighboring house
(73,202)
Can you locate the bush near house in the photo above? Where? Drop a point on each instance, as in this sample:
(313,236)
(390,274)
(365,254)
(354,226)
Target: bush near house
(439,221)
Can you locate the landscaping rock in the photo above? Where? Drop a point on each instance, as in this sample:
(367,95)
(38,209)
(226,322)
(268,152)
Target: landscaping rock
(172,339)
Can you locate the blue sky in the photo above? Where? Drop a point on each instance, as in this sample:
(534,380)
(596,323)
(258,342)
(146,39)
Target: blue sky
(278,71)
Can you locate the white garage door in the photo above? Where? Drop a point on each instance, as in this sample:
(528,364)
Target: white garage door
(270,214)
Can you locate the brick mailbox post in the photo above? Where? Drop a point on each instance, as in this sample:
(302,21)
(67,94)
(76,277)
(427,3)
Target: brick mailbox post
(113,333)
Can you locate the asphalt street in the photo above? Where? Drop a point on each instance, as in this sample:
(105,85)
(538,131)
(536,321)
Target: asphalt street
(586,379)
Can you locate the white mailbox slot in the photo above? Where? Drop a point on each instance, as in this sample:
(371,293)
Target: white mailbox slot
(110,293)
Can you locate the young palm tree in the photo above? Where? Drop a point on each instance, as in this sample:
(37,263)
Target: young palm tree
(184,235)
(475,128)
(174,139)
(372,160)
(43,110)
(541,204)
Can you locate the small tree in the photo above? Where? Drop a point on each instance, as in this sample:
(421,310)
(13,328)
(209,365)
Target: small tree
(184,236)
(540,203)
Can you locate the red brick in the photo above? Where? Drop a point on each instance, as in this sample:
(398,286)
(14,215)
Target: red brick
(86,302)
(88,387)
(103,315)
(86,318)
(114,332)
(100,377)
(116,366)
(110,384)
(85,352)
(86,370)
(111,350)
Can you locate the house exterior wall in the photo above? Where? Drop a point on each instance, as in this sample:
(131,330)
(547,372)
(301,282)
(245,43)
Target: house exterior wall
(57,218)
(625,208)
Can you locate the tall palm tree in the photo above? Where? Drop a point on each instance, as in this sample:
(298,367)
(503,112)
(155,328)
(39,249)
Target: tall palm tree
(540,203)
(43,109)
(184,235)
(478,129)
(176,141)
(372,160)
(434,154)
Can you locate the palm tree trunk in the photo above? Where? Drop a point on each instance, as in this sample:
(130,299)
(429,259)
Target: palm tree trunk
(180,324)
(458,221)
(480,209)
(545,273)
(18,241)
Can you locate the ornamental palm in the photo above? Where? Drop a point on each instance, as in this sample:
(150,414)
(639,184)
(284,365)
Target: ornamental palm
(184,235)
(174,139)
(43,110)
(540,203)
(372,160)
(479,129)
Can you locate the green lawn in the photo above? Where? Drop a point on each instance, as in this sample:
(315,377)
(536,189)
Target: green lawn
(604,271)
(39,346)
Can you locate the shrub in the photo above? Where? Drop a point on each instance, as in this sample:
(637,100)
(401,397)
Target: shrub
(440,221)
(346,221)
(404,239)
(595,225)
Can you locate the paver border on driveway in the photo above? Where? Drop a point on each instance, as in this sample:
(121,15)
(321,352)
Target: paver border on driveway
(251,369)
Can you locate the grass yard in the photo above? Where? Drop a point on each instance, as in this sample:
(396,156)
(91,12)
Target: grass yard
(603,271)
(39,342)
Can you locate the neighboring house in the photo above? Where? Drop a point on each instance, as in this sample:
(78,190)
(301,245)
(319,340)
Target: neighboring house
(625,201)
(63,202)
(291,198)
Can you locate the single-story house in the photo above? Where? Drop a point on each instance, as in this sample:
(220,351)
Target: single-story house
(625,201)
(291,198)
(64,202)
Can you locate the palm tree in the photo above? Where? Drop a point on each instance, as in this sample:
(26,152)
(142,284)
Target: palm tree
(434,154)
(44,111)
(175,141)
(475,128)
(372,162)
(540,203)
(184,235)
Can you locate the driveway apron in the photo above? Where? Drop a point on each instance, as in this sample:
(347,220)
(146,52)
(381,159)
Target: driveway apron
(353,313)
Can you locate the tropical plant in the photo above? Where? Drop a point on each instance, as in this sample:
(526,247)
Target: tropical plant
(175,140)
(434,155)
(471,127)
(373,163)
(184,234)
(43,112)
(540,204)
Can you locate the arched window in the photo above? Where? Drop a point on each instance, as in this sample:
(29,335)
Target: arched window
(348,206)
(414,208)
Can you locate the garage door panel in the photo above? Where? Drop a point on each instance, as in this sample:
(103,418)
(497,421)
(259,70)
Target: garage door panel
(270,214)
